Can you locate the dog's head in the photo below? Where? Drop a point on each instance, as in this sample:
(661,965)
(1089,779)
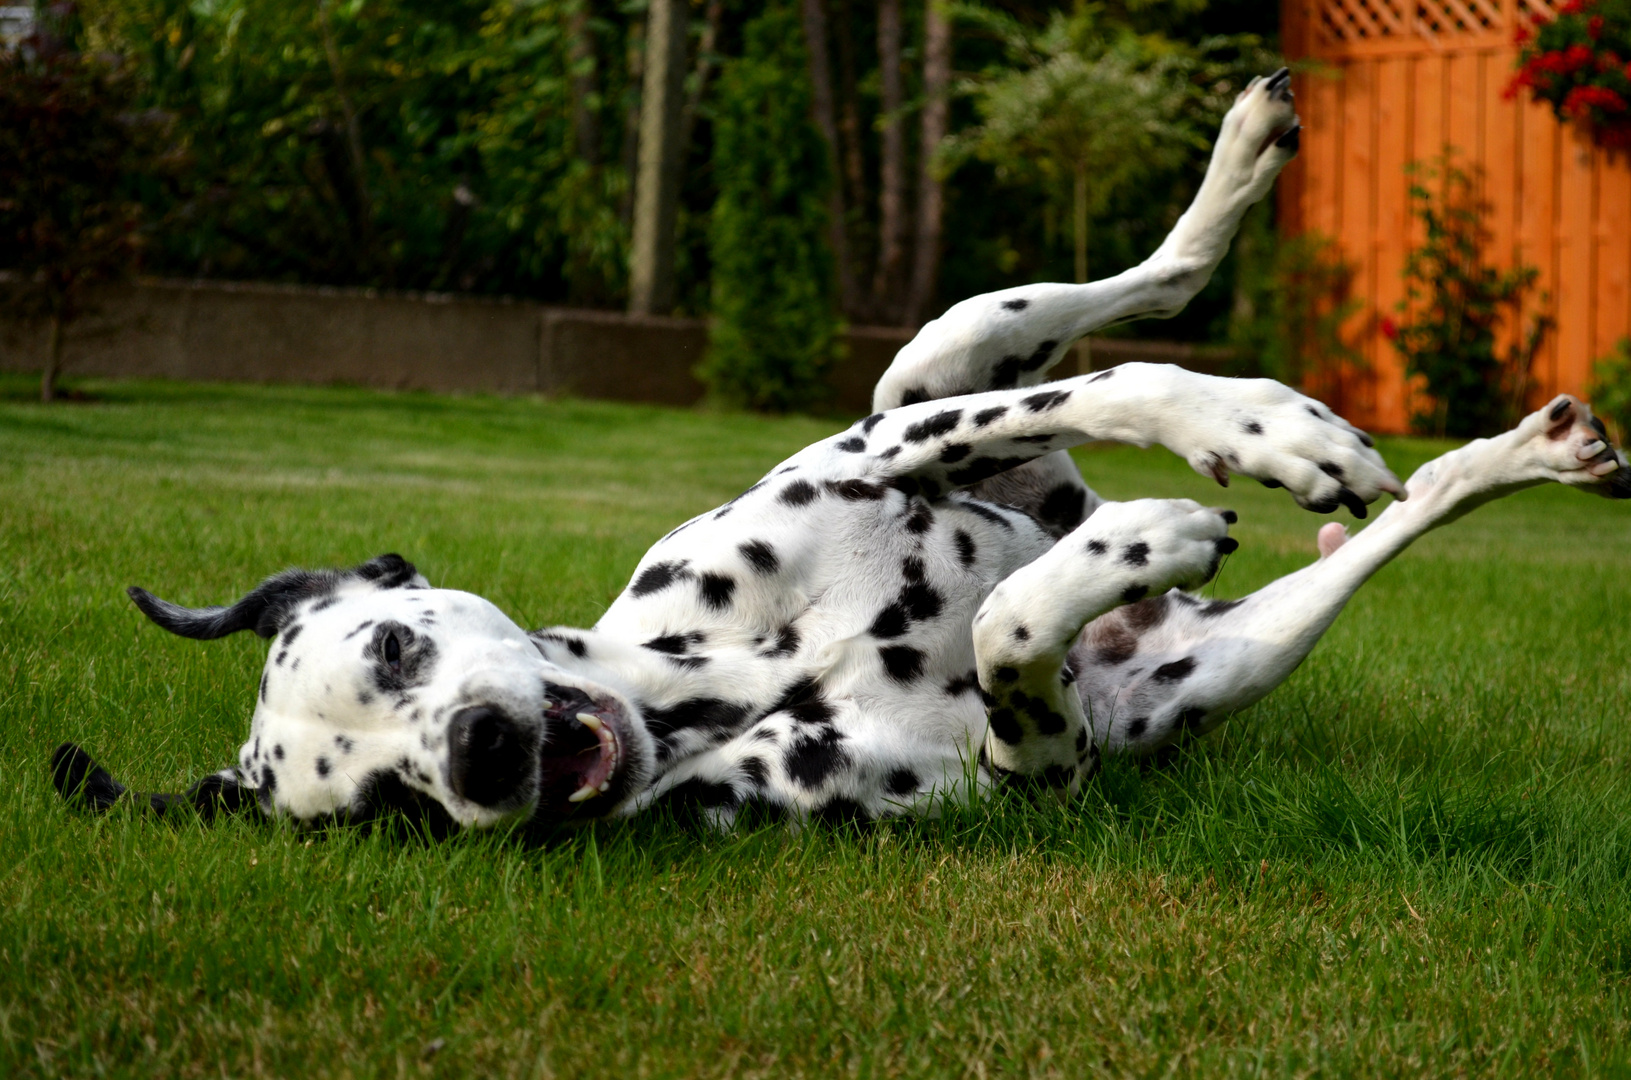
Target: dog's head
(381,693)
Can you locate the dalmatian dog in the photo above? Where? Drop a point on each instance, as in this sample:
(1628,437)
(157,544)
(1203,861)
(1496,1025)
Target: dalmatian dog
(919,608)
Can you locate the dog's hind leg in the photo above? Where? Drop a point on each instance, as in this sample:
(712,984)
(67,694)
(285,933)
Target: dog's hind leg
(1173,665)
(1012,338)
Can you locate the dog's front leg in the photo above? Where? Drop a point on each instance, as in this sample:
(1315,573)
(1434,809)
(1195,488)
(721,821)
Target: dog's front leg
(1013,337)
(1027,626)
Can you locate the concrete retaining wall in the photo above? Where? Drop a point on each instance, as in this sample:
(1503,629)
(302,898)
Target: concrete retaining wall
(270,333)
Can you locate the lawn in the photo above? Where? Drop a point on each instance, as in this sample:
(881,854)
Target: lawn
(1412,859)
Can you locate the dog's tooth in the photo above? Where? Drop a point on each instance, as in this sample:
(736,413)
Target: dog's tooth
(589,720)
(587,791)
(605,786)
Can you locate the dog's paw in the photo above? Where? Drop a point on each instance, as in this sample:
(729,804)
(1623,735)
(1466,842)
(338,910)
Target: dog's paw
(1260,133)
(1157,544)
(1573,447)
(1270,432)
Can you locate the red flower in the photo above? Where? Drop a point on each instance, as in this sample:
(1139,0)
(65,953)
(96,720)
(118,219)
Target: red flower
(1389,328)
(1582,99)
(1628,71)
(1594,27)
(1576,57)
(1521,35)
(1539,19)
(1573,7)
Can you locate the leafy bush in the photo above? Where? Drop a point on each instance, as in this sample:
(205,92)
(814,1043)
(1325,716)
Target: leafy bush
(73,151)
(1610,389)
(1454,306)
(1291,301)
(775,331)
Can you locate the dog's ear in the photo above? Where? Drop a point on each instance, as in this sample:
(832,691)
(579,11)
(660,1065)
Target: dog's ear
(85,785)
(268,605)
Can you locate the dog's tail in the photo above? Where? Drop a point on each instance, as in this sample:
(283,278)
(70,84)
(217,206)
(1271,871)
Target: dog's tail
(85,785)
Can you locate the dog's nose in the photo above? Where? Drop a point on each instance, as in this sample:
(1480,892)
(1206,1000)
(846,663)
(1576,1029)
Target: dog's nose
(491,756)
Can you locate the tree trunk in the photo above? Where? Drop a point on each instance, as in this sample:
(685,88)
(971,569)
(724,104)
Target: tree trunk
(1084,350)
(53,360)
(657,190)
(714,19)
(353,140)
(815,43)
(585,86)
(849,117)
(936,82)
(886,283)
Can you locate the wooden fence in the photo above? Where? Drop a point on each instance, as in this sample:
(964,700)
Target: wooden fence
(1398,81)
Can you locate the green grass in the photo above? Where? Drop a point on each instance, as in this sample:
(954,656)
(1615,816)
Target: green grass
(1412,859)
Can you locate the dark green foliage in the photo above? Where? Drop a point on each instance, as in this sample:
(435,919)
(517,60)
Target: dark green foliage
(775,329)
(1455,307)
(74,150)
(1610,389)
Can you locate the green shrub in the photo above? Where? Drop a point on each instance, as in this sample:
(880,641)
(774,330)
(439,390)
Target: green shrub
(774,335)
(1610,389)
(1457,304)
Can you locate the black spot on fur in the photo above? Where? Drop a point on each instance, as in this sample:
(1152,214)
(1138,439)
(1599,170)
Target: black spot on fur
(658,576)
(689,798)
(1191,718)
(1115,644)
(787,642)
(984,469)
(1006,373)
(359,628)
(907,486)
(914,396)
(574,645)
(815,756)
(1134,593)
(277,751)
(1253,427)
(753,770)
(1022,633)
(903,663)
(955,452)
(839,811)
(1331,469)
(852,445)
(1081,740)
(798,493)
(856,490)
(322,766)
(1047,399)
(1005,726)
(263,686)
(289,633)
(986,416)
(1136,554)
(812,712)
(1063,506)
(963,684)
(900,782)
(1137,727)
(891,452)
(675,644)
(1218,607)
(938,424)
(871,422)
(983,510)
(1097,547)
(345,744)
(922,601)
(1039,439)
(760,555)
(1007,675)
(891,622)
(920,519)
(911,568)
(1016,305)
(1177,671)
(1146,614)
(1101,376)
(712,714)
(716,590)
(965,547)
(1039,355)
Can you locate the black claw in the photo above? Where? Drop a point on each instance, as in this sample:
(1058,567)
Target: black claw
(1325,505)
(1279,78)
(1291,140)
(1271,483)
(1559,409)
(1366,439)
(1230,516)
(1355,505)
(1228,545)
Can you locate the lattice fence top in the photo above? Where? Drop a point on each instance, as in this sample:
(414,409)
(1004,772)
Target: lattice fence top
(1430,22)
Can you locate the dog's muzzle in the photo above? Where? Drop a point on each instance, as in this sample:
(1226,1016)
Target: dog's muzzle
(492,758)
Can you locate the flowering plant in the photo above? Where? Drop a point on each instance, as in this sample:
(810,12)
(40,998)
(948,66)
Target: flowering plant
(1580,62)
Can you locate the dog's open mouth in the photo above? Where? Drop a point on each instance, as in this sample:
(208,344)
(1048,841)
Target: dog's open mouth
(580,766)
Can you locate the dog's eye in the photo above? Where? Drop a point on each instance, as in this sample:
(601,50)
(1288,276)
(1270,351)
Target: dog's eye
(393,653)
